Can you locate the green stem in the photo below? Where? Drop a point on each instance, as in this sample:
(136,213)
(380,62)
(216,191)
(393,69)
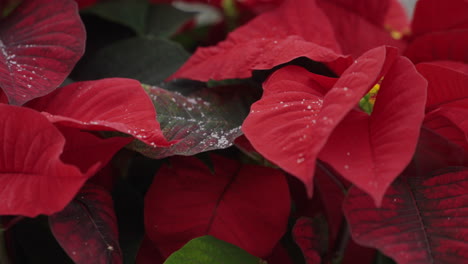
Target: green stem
(4,259)
(342,242)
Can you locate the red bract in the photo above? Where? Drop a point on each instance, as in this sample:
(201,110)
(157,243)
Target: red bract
(447,100)
(307,118)
(87,228)
(40,42)
(234,204)
(311,236)
(271,39)
(34,179)
(360,25)
(422,219)
(113,104)
(443,38)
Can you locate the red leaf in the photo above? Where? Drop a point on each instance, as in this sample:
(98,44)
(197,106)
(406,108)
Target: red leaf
(114,104)
(449,45)
(422,219)
(295,115)
(40,42)
(311,236)
(84,149)
(34,179)
(371,151)
(270,39)
(87,228)
(446,86)
(233,204)
(434,15)
(359,25)
(446,102)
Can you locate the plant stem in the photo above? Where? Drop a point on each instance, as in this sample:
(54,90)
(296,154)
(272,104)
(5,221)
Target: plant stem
(341,242)
(4,259)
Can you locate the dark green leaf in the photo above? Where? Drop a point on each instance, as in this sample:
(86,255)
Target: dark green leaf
(147,60)
(201,118)
(210,250)
(165,20)
(128,13)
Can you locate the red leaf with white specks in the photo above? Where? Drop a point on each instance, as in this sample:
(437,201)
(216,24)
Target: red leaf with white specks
(422,219)
(87,228)
(113,104)
(40,42)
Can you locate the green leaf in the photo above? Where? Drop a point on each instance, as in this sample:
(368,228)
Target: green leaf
(165,20)
(128,13)
(210,250)
(147,60)
(201,118)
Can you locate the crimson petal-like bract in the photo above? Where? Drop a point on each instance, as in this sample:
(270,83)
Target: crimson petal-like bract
(271,39)
(359,25)
(187,200)
(446,106)
(450,16)
(295,115)
(33,178)
(372,150)
(114,104)
(422,219)
(40,43)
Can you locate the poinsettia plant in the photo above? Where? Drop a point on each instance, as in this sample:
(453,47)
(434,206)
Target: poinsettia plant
(281,132)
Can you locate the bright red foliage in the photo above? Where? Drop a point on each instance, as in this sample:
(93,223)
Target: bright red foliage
(34,178)
(233,204)
(309,116)
(113,104)
(40,42)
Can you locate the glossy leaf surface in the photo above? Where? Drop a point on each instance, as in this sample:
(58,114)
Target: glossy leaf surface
(422,219)
(40,43)
(187,200)
(87,228)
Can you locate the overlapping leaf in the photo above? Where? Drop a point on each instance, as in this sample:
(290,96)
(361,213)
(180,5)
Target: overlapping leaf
(311,236)
(371,151)
(34,179)
(299,110)
(271,39)
(359,26)
(199,118)
(87,228)
(149,60)
(450,16)
(40,43)
(187,200)
(113,104)
(422,219)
